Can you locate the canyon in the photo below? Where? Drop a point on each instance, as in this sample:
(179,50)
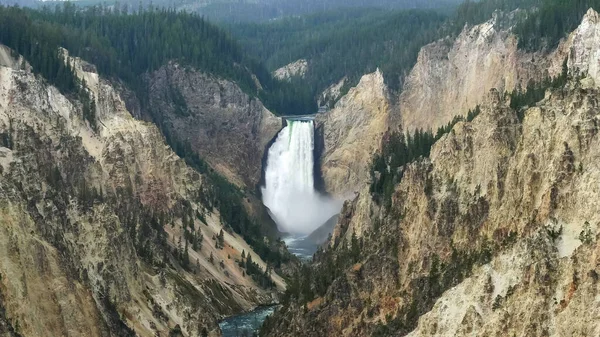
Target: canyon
(114,222)
(93,221)
(495,232)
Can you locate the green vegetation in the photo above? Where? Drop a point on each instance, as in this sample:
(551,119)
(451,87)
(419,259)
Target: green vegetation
(552,21)
(521,99)
(426,290)
(350,42)
(475,12)
(263,278)
(38,42)
(220,240)
(264,10)
(314,280)
(219,193)
(343,43)
(387,170)
(586,236)
(399,150)
(543,25)
(126,46)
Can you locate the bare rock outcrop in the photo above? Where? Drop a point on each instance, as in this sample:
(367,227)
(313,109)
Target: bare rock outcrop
(221,123)
(352,133)
(452,76)
(331,94)
(584,47)
(542,284)
(294,69)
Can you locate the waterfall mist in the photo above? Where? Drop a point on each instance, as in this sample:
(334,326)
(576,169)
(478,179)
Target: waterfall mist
(289,191)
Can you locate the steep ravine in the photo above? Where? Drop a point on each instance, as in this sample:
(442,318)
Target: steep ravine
(495,234)
(214,119)
(93,222)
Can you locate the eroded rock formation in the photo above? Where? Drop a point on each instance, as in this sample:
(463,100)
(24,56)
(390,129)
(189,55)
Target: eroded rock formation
(92,222)
(221,123)
(352,133)
(495,234)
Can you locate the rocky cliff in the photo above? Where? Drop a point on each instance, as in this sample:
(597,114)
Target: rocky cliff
(583,48)
(106,232)
(547,277)
(495,234)
(352,132)
(501,211)
(294,69)
(221,123)
(453,75)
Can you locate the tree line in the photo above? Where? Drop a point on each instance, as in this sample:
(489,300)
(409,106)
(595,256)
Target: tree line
(38,43)
(265,10)
(348,43)
(343,43)
(217,193)
(400,149)
(125,45)
(551,21)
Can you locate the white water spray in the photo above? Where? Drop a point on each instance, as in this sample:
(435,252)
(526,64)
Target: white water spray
(289,191)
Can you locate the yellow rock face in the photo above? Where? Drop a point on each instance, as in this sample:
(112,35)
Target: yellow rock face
(521,197)
(352,133)
(70,266)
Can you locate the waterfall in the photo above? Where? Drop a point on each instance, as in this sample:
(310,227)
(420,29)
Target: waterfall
(289,191)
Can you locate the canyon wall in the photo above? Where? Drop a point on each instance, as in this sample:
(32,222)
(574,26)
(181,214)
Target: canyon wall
(495,233)
(352,133)
(105,231)
(222,124)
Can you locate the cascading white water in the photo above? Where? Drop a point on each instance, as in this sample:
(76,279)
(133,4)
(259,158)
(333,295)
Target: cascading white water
(289,191)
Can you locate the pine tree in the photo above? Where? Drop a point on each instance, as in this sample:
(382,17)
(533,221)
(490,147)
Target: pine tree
(355,248)
(249,263)
(186,257)
(220,243)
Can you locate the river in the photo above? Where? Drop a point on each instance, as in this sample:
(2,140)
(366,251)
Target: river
(245,325)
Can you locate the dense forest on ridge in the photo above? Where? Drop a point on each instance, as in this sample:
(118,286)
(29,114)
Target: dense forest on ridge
(344,43)
(554,19)
(265,10)
(126,46)
(352,42)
